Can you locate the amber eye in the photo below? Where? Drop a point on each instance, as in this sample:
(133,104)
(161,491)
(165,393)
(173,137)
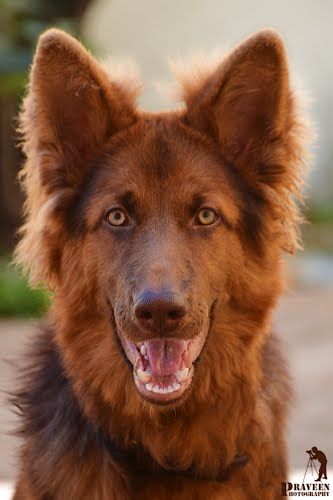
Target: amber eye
(206,217)
(116,217)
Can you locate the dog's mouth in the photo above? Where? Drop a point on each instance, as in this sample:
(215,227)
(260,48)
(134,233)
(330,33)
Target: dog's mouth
(163,367)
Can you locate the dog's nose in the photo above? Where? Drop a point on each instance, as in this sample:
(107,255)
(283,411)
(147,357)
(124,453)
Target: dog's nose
(160,312)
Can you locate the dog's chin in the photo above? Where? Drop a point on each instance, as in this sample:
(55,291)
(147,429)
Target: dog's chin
(163,368)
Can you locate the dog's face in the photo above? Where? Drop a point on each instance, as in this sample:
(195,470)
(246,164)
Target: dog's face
(160,212)
(150,226)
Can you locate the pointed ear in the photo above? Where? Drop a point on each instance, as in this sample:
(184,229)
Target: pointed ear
(72,107)
(244,102)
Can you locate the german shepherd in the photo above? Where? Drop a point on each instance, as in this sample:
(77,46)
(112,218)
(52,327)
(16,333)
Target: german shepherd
(156,374)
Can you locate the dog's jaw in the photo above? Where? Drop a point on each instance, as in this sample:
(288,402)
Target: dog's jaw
(163,368)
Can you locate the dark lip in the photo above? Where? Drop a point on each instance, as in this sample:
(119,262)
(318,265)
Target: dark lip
(117,338)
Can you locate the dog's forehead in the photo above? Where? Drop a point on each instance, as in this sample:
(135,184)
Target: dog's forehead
(161,156)
(158,167)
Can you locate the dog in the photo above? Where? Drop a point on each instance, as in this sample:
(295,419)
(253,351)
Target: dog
(160,235)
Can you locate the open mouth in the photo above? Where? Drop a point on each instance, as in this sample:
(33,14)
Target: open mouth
(163,367)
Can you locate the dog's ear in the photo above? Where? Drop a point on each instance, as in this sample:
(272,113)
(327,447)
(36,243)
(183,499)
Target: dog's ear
(246,104)
(243,102)
(71,108)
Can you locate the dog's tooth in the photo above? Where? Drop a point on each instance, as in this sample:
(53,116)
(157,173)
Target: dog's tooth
(175,386)
(181,375)
(143,349)
(145,356)
(144,376)
(182,366)
(162,390)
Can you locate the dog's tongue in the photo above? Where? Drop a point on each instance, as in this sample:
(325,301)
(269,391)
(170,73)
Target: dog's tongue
(165,356)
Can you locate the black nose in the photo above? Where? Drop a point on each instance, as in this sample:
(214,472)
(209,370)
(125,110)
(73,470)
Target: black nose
(159,312)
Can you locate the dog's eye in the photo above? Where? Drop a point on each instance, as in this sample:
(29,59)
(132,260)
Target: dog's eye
(116,217)
(206,217)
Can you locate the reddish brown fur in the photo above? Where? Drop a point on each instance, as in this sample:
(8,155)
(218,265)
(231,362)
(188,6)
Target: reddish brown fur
(238,142)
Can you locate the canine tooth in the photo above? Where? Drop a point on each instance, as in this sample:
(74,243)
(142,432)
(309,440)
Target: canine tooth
(144,376)
(149,387)
(145,356)
(143,349)
(175,386)
(181,375)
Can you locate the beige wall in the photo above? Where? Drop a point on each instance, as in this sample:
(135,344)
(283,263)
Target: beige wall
(149,31)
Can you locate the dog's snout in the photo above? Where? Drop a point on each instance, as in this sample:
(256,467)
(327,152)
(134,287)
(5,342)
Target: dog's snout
(160,312)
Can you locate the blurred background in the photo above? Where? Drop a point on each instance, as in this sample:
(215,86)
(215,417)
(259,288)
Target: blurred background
(149,32)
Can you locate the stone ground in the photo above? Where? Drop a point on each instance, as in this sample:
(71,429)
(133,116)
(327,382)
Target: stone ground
(304,321)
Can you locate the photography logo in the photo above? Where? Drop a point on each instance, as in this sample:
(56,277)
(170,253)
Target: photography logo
(315,472)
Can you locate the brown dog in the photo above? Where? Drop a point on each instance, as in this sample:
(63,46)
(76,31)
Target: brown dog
(160,235)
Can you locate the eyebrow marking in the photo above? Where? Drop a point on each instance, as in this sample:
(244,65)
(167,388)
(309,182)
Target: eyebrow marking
(197,201)
(129,201)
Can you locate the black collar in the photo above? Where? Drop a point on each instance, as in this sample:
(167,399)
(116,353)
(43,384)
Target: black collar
(138,460)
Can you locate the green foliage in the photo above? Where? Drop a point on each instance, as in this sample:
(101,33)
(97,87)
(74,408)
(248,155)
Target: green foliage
(21,22)
(16,298)
(320,214)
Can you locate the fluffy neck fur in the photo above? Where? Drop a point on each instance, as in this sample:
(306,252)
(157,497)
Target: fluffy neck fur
(224,389)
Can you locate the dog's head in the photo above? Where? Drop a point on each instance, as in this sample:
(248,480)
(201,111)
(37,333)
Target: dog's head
(159,230)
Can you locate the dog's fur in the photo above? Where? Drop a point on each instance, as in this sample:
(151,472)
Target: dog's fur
(238,145)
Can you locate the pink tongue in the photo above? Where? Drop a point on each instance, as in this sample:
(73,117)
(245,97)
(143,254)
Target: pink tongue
(165,356)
